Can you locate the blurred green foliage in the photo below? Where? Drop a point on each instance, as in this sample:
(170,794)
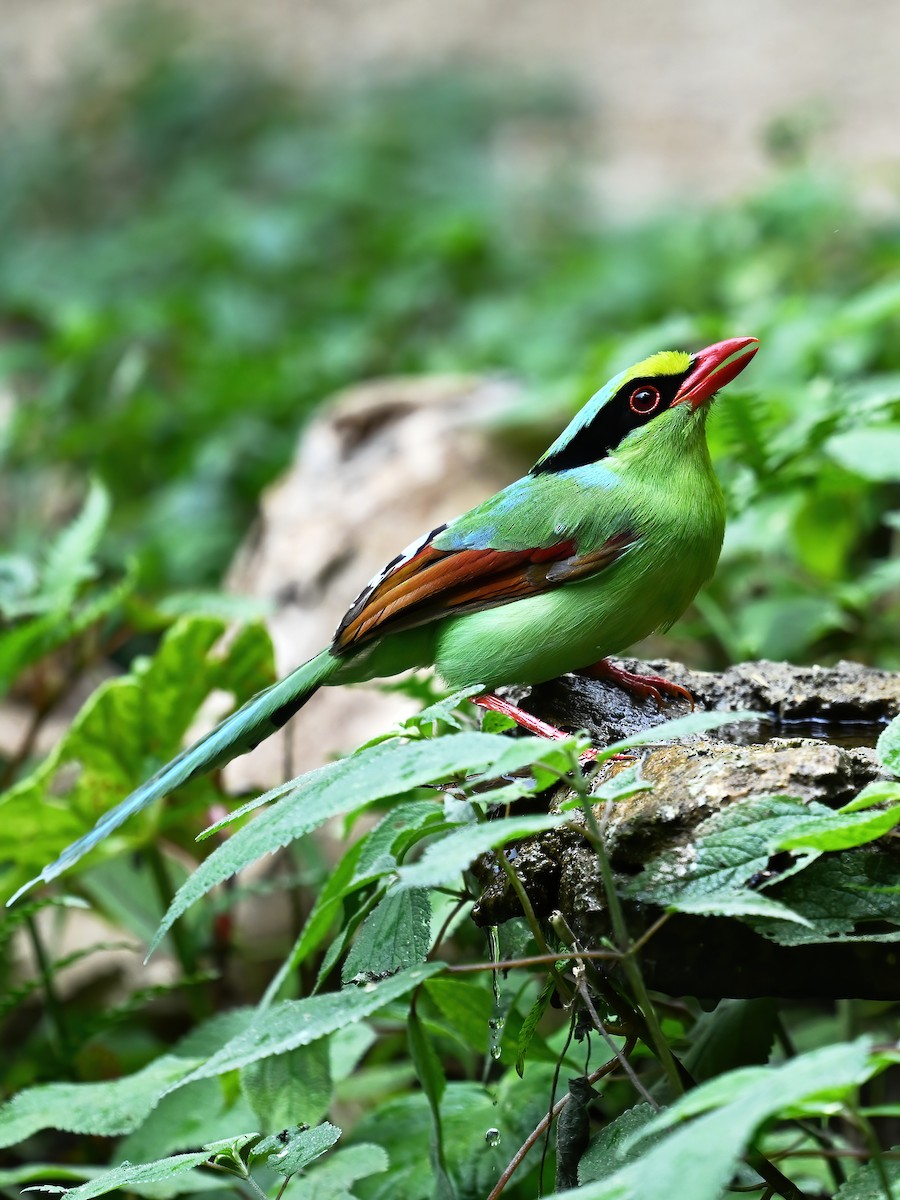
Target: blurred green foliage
(196,254)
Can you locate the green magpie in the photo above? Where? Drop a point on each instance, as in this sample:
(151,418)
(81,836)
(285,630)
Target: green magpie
(607,538)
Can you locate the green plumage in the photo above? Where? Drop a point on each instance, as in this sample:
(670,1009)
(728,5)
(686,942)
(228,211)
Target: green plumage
(607,539)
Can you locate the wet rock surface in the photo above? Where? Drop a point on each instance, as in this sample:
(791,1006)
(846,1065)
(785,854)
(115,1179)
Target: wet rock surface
(694,779)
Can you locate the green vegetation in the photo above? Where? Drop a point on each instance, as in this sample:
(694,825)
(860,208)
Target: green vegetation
(195,255)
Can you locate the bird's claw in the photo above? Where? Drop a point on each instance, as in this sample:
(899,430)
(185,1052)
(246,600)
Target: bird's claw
(654,687)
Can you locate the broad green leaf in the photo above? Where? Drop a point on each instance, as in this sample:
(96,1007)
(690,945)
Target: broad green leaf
(880,791)
(466,1008)
(334,1178)
(129,1176)
(843,897)
(729,849)
(872,452)
(742,903)
(104,1109)
(396,935)
(727,1112)
(841,830)
(185,1119)
(293,1088)
(446,858)
(387,770)
(293,1149)
(696,722)
(613,1147)
(866,1183)
(293,1023)
(127,729)
(888,747)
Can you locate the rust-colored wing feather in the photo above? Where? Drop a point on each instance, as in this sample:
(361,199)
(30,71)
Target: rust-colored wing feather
(434,583)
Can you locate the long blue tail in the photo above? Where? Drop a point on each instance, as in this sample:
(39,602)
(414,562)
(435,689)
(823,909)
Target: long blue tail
(261,716)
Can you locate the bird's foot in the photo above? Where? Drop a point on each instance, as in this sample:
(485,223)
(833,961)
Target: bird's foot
(643,686)
(528,721)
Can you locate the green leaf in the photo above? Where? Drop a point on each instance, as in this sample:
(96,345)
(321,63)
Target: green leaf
(888,747)
(696,722)
(127,729)
(446,858)
(613,1147)
(846,897)
(841,830)
(728,850)
(467,1008)
(334,1178)
(387,770)
(132,1176)
(289,1089)
(68,559)
(293,1149)
(103,1109)
(880,791)
(866,1183)
(727,1112)
(293,1023)
(396,935)
(873,453)
(743,903)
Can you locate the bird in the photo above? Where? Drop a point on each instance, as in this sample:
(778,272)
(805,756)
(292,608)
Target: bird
(605,540)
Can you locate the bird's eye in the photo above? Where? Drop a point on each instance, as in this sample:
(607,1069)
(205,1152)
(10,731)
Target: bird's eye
(643,400)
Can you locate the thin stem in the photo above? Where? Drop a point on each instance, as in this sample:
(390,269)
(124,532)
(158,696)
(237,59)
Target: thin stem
(55,1007)
(548,1117)
(620,932)
(531,960)
(605,1034)
(531,917)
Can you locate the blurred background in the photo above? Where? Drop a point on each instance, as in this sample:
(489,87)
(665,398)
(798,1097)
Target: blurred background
(215,216)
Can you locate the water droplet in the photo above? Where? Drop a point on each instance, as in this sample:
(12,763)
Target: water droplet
(492,1136)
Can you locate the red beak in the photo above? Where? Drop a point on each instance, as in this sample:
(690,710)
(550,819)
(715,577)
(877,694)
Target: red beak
(713,367)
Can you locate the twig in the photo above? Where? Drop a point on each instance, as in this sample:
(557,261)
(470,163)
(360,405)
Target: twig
(548,1117)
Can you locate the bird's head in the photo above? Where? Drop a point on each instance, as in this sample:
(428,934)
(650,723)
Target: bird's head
(670,382)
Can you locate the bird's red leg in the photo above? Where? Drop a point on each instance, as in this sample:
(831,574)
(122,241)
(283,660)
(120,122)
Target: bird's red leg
(640,685)
(526,719)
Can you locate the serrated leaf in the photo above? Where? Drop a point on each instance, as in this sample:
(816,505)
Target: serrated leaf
(729,848)
(291,1150)
(840,895)
(888,746)
(530,1024)
(378,773)
(727,1112)
(446,858)
(433,1081)
(293,1023)
(333,1179)
(396,935)
(288,1089)
(867,1184)
(126,730)
(737,904)
(105,1109)
(840,830)
(131,1175)
(67,563)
